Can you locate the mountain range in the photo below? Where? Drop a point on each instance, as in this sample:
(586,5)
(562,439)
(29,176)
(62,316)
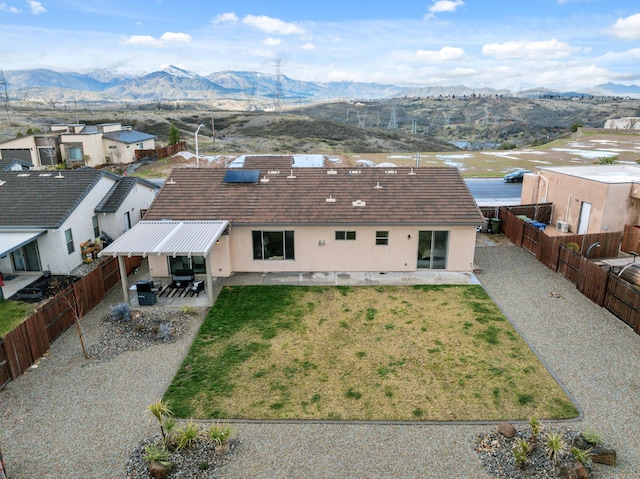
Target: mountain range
(173,83)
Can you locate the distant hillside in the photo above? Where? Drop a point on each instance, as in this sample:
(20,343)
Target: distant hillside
(173,83)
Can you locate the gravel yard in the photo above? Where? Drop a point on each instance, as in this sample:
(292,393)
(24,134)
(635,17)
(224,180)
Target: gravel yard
(77,418)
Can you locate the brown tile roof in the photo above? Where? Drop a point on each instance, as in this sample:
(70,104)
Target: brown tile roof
(391,196)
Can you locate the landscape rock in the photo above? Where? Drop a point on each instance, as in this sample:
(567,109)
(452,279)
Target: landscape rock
(572,470)
(506,429)
(603,455)
(159,470)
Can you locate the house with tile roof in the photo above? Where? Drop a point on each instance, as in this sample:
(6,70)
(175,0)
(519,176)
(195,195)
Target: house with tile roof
(15,165)
(308,220)
(47,215)
(79,144)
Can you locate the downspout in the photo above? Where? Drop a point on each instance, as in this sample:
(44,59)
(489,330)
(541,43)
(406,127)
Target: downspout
(546,191)
(566,216)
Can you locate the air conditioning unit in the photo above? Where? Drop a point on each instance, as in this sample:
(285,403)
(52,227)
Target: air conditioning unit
(562,226)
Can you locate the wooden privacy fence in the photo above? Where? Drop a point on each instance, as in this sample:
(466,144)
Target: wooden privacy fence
(599,285)
(162,152)
(22,347)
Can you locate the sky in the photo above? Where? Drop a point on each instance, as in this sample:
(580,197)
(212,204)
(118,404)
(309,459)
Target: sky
(512,44)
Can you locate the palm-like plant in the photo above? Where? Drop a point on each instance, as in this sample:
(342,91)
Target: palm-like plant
(160,410)
(555,446)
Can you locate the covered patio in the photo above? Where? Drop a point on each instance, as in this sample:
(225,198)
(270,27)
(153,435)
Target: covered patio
(170,239)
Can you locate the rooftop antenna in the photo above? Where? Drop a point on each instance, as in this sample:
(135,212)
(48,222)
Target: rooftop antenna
(3,83)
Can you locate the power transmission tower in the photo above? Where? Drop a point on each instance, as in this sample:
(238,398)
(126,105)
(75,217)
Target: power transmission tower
(414,126)
(278,86)
(3,84)
(393,122)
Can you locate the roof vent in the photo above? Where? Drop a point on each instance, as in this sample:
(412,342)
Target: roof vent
(354,172)
(358,203)
(59,175)
(332,172)
(273,172)
(291,175)
(412,172)
(331,199)
(24,174)
(390,172)
(44,174)
(377,187)
(264,179)
(171,181)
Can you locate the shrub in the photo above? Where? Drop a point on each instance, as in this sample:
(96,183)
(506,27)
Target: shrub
(575,247)
(580,455)
(121,312)
(555,446)
(164,332)
(218,433)
(156,452)
(520,452)
(575,125)
(187,435)
(607,160)
(592,437)
(160,410)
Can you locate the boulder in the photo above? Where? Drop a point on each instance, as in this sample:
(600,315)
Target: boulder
(572,470)
(506,429)
(159,470)
(603,455)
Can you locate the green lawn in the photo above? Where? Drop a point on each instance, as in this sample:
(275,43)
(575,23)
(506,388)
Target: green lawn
(433,353)
(12,313)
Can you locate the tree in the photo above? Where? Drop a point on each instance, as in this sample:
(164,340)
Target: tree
(575,125)
(174,135)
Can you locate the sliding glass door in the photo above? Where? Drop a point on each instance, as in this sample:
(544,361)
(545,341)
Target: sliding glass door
(432,249)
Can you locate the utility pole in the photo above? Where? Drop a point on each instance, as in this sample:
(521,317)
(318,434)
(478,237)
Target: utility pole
(278,86)
(3,83)
(393,122)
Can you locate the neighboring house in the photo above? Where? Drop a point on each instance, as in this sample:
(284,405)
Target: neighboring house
(626,123)
(586,199)
(47,215)
(220,221)
(86,145)
(39,149)
(14,165)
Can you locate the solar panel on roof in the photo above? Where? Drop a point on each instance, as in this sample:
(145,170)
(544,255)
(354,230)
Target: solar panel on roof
(242,176)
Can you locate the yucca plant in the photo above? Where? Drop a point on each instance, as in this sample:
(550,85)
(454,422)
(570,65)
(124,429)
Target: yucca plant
(555,446)
(160,410)
(581,455)
(521,452)
(187,435)
(218,433)
(535,428)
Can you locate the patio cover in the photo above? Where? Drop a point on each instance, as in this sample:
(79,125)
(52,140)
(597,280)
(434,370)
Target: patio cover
(179,238)
(168,238)
(12,241)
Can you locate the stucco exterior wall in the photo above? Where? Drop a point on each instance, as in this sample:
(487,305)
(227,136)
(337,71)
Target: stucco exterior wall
(91,145)
(114,223)
(26,142)
(316,249)
(611,204)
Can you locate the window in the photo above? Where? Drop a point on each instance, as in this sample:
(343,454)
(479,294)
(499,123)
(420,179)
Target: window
(196,263)
(382,237)
(273,245)
(96,227)
(75,154)
(68,236)
(345,235)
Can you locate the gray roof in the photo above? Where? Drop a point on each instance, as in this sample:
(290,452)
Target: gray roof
(8,163)
(44,199)
(119,192)
(128,136)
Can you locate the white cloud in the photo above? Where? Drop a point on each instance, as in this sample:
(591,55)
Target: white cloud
(36,7)
(149,41)
(272,25)
(626,28)
(172,37)
(6,8)
(630,56)
(547,49)
(308,46)
(440,6)
(226,18)
(445,54)
(272,42)
(142,40)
